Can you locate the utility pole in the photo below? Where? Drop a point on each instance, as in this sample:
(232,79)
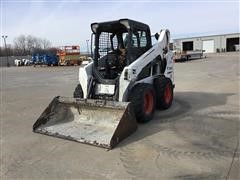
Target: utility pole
(4,38)
(87,46)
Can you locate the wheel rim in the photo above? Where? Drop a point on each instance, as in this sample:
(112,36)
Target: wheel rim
(168,93)
(148,102)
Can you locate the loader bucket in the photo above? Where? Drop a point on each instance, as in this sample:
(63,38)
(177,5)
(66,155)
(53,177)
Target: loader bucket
(96,122)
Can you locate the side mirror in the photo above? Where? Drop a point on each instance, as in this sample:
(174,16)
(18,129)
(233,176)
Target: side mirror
(156,36)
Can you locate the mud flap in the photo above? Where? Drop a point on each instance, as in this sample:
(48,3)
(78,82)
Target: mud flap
(96,122)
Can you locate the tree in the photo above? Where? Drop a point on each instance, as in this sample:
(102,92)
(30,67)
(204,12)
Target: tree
(30,44)
(1,51)
(26,45)
(20,43)
(46,44)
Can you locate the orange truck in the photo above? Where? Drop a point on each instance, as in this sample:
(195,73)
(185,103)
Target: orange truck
(69,55)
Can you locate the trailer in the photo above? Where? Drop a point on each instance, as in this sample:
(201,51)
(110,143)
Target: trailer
(188,55)
(45,59)
(50,59)
(37,59)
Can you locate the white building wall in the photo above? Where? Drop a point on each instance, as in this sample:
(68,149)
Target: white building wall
(220,42)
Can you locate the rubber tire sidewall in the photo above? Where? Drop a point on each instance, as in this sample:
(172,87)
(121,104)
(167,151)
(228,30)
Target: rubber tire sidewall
(136,97)
(160,84)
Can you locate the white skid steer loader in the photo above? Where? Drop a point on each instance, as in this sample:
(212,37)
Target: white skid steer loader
(127,79)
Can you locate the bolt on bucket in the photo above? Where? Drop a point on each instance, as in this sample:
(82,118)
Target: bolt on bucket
(96,122)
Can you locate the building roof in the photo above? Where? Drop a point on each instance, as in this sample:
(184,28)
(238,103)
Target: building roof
(207,36)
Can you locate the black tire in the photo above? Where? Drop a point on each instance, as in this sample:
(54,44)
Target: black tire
(142,97)
(78,93)
(164,92)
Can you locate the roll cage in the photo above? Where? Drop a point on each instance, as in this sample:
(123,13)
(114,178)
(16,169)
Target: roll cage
(117,44)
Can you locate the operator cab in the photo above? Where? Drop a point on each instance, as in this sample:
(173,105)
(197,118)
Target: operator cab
(116,45)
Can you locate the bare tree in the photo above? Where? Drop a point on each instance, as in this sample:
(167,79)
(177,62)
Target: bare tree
(45,43)
(30,44)
(37,43)
(26,45)
(9,51)
(1,51)
(52,50)
(20,43)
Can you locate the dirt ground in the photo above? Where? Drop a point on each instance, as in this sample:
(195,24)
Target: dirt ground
(197,138)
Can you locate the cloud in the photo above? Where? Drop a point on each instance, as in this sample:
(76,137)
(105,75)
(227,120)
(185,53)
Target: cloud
(66,23)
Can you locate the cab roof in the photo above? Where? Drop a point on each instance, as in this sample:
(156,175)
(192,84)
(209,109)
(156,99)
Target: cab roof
(118,25)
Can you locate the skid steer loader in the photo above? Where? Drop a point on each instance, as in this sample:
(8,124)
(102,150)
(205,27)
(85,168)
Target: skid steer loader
(128,78)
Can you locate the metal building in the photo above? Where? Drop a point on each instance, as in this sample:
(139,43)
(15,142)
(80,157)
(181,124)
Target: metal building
(209,44)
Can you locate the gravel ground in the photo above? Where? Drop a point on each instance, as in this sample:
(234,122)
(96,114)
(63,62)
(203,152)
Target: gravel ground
(197,138)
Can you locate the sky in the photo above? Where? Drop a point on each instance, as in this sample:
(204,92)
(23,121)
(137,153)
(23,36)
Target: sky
(68,22)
